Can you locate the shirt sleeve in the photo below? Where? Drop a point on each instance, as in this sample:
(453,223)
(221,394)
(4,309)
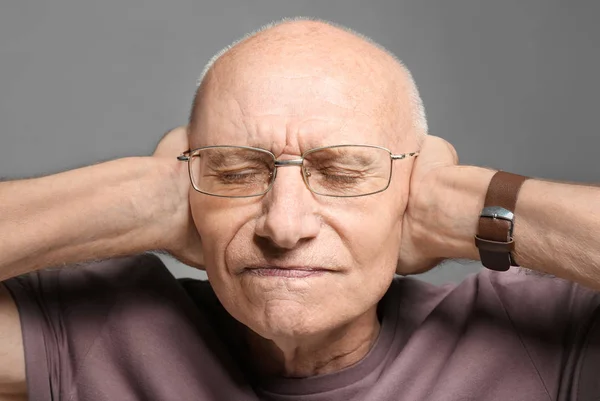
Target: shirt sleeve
(558,323)
(35,330)
(586,365)
(63,311)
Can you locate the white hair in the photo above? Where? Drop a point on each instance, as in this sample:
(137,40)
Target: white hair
(417,106)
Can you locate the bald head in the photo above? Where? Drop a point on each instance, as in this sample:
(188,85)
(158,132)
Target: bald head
(332,62)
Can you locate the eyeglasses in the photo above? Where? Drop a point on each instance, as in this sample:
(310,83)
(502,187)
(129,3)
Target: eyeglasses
(337,171)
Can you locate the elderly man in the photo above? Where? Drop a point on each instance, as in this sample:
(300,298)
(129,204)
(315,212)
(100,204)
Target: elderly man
(309,183)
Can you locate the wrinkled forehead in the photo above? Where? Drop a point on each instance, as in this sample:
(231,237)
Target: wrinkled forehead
(293,108)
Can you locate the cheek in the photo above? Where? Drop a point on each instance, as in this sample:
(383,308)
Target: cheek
(360,234)
(371,229)
(218,221)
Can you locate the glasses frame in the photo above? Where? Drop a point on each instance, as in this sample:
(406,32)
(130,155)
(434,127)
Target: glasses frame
(189,154)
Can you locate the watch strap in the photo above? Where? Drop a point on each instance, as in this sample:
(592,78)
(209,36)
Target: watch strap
(495,234)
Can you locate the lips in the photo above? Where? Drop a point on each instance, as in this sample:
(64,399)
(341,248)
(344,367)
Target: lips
(286,272)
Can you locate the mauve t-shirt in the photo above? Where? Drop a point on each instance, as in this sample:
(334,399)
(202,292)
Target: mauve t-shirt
(126,329)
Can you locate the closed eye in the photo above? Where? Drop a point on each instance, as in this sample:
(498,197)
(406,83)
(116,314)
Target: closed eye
(242,176)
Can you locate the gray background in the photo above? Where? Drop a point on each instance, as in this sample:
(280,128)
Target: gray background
(513,84)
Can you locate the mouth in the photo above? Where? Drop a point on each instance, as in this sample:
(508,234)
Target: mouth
(286,272)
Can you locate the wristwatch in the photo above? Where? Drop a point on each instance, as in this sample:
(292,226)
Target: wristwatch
(497,220)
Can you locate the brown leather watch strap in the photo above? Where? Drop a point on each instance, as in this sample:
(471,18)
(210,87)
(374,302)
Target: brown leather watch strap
(494,237)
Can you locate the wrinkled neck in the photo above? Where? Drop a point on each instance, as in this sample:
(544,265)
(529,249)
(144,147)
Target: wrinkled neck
(317,354)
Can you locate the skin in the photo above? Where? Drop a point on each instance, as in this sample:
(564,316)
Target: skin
(290,89)
(144,203)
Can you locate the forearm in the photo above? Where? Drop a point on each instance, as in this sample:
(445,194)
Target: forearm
(558,230)
(557,226)
(94,212)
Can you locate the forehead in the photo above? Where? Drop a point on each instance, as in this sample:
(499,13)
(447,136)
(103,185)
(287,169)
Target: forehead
(290,110)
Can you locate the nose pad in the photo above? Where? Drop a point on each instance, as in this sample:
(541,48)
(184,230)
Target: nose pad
(272,177)
(283,176)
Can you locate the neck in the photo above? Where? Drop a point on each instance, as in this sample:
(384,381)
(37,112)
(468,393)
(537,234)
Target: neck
(316,354)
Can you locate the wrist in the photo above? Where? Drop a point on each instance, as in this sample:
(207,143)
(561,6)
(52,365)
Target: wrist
(128,205)
(459,197)
(161,201)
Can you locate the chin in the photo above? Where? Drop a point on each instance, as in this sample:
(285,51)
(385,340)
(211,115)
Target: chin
(288,320)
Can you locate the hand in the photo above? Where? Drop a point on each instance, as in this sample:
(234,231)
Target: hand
(422,246)
(183,240)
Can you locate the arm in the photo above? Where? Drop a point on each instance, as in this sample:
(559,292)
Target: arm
(557,225)
(121,207)
(89,213)
(12,363)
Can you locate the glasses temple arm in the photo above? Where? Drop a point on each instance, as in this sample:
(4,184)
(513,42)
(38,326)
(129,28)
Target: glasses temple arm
(405,155)
(184,157)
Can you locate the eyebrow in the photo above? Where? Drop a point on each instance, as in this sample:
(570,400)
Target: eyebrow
(216,158)
(345,153)
(220,158)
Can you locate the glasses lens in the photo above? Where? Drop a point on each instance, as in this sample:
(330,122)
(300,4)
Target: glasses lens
(231,171)
(348,170)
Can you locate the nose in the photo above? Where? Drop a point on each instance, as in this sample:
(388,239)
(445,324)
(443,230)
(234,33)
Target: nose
(289,211)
